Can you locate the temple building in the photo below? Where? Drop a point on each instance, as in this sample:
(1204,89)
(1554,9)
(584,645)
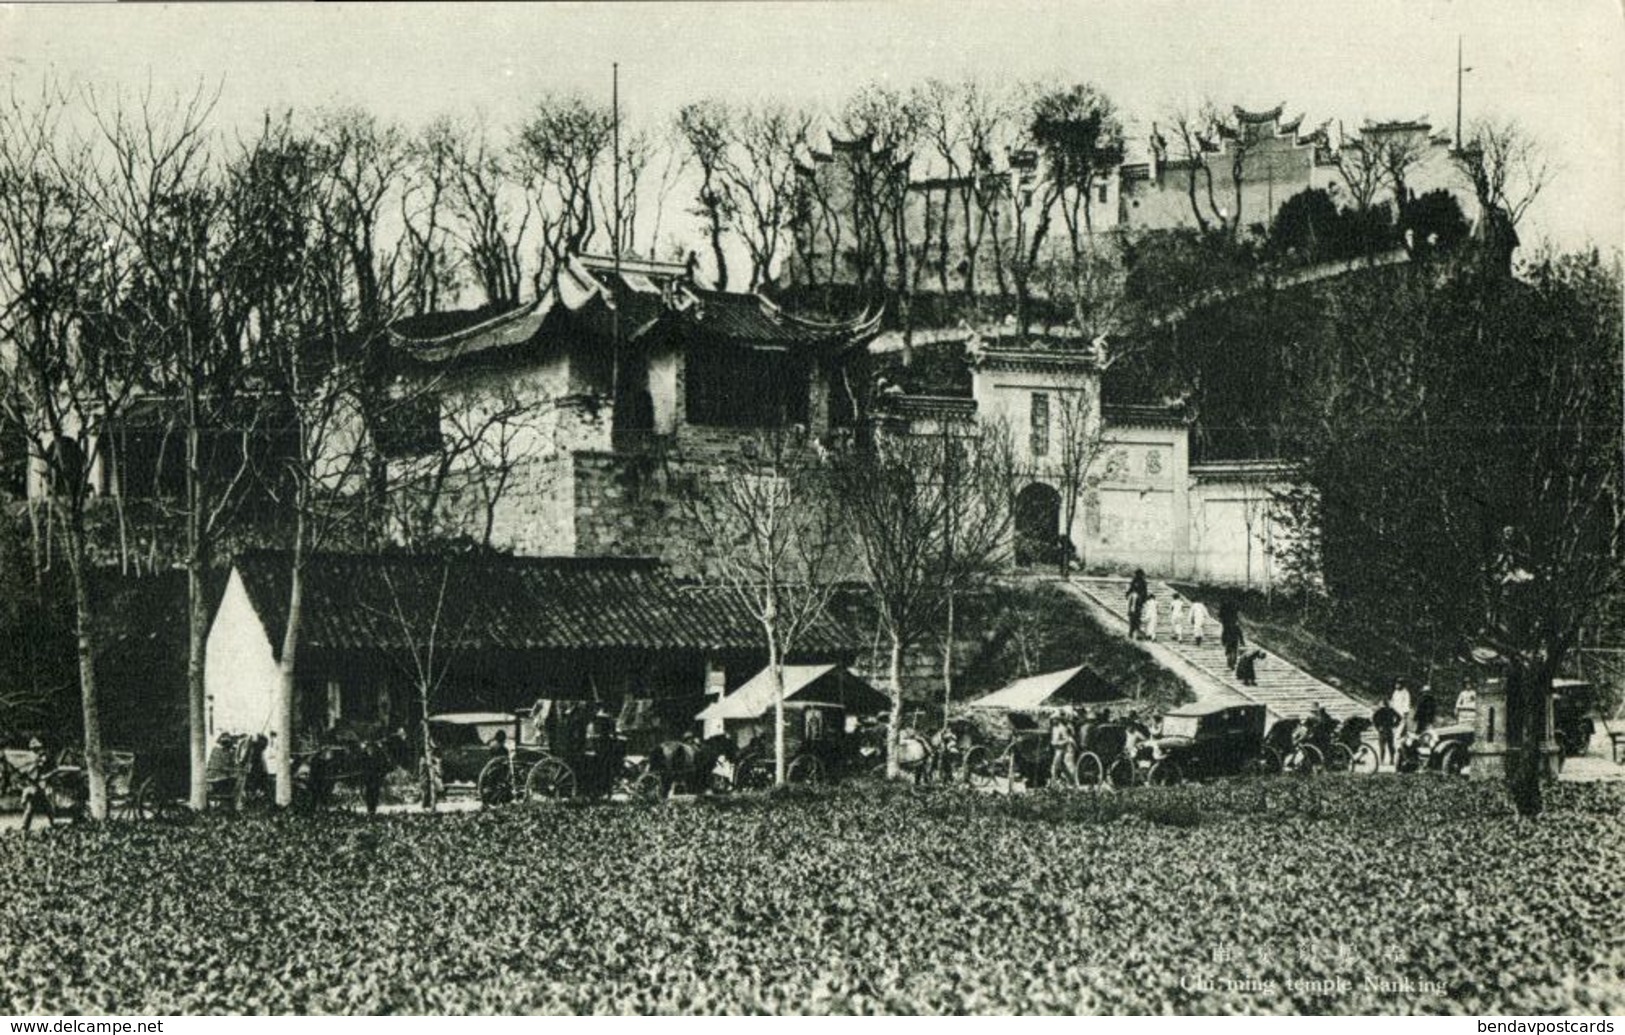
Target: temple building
(1142,503)
(588,402)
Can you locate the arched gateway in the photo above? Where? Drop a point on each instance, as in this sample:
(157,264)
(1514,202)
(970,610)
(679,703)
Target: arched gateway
(1038,524)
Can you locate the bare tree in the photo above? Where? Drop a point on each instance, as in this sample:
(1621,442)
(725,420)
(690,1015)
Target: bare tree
(897,511)
(760,169)
(429,607)
(180,221)
(70,365)
(1079,440)
(435,156)
(1197,148)
(1507,170)
(489,211)
(770,533)
(1031,200)
(365,162)
(1080,141)
(706,127)
(1361,172)
(978,471)
(310,322)
(671,158)
(559,155)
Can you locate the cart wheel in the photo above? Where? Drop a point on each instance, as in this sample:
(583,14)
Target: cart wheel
(1340,759)
(495,785)
(1121,773)
(980,770)
(551,778)
(1454,761)
(718,781)
(143,802)
(806,769)
(1164,773)
(754,774)
(126,808)
(648,787)
(1305,759)
(1365,761)
(1091,771)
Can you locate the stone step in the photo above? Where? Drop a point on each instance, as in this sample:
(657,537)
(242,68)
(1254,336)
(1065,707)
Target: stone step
(1283,688)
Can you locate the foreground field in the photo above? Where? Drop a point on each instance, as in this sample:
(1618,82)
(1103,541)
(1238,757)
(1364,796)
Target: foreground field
(1375,895)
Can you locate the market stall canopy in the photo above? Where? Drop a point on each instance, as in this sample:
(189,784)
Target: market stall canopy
(1067,688)
(830,685)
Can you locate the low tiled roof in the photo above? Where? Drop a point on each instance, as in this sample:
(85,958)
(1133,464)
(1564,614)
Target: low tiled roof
(363,602)
(1144,414)
(753,320)
(591,299)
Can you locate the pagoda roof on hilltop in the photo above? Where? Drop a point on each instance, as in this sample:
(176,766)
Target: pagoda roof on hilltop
(1255,117)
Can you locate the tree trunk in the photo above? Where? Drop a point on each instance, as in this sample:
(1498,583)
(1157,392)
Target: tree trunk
(1527,690)
(95,764)
(430,798)
(894,729)
(287,668)
(197,625)
(948,660)
(775,663)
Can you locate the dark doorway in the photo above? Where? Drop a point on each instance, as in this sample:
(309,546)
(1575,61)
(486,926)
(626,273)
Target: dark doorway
(1038,524)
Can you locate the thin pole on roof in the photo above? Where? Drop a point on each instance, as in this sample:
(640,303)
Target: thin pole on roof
(615,242)
(1460,72)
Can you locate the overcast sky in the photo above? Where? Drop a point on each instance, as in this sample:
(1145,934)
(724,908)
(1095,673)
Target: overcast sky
(1554,65)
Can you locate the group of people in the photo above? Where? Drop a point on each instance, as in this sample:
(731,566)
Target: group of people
(1192,617)
(1069,736)
(1401,715)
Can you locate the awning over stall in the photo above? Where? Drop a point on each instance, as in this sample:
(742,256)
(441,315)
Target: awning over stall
(830,685)
(1068,688)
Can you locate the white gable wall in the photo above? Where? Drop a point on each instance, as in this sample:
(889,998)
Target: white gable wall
(240,673)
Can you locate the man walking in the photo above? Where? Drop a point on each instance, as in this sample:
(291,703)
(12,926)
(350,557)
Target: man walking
(1199,620)
(1176,618)
(1385,720)
(1230,634)
(1400,701)
(1137,592)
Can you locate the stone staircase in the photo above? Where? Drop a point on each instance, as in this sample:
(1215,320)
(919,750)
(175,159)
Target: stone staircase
(1286,690)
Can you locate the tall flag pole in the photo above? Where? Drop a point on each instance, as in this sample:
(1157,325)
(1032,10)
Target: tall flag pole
(1459,71)
(615,242)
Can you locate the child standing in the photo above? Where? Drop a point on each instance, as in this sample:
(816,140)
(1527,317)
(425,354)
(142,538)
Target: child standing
(1176,617)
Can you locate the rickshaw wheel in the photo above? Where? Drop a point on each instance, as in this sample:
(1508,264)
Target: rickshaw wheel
(978,769)
(1454,761)
(1091,771)
(1121,773)
(647,787)
(1164,773)
(756,774)
(1365,762)
(719,783)
(551,778)
(494,785)
(1340,759)
(1305,759)
(143,802)
(806,769)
